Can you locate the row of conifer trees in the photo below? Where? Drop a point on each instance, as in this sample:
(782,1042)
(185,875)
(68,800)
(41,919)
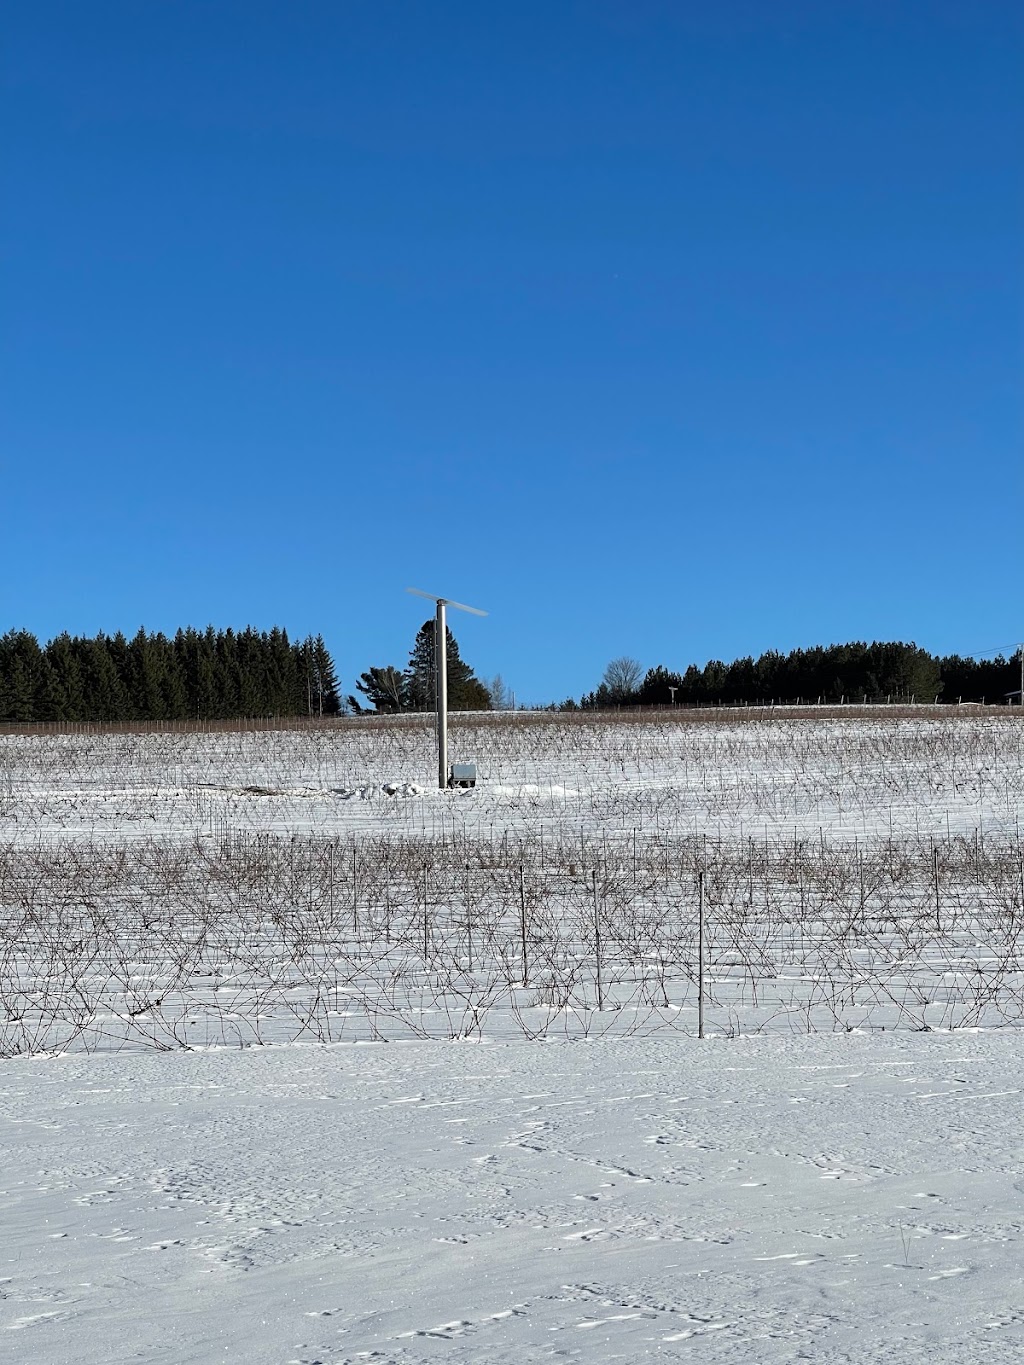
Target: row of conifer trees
(224,675)
(882,671)
(197,675)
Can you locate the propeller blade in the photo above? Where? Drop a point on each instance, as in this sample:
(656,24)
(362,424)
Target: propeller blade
(461,606)
(473,611)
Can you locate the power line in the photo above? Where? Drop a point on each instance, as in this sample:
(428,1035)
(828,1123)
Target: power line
(999,649)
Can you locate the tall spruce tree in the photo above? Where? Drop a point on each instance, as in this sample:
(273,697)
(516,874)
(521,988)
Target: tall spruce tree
(105,694)
(24,676)
(465,690)
(63,694)
(413,689)
(325,698)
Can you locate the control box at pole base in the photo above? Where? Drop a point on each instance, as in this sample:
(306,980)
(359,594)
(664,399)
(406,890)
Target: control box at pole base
(462,775)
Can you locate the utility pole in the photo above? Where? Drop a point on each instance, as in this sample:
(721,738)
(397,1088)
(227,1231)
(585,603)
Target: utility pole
(441,675)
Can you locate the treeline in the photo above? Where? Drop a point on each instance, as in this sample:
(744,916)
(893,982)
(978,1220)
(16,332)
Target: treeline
(856,672)
(204,675)
(228,675)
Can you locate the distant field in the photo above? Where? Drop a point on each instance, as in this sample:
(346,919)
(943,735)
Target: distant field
(860,869)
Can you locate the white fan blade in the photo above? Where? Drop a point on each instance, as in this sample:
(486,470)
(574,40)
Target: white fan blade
(473,611)
(461,606)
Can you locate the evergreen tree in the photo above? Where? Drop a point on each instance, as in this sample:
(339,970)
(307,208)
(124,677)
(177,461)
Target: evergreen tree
(738,685)
(766,675)
(656,688)
(173,683)
(105,695)
(693,682)
(465,690)
(279,672)
(384,688)
(226,677)
(713,681)
(148,667)
(326,701)
(421,673)
(251,674)
(389,690)
(24,676)
(63,691)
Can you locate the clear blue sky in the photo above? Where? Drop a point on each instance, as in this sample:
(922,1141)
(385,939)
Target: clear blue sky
(668,329)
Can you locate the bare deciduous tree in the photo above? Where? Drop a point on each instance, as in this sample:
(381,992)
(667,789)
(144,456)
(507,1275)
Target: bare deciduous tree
(501,696)
(622,677)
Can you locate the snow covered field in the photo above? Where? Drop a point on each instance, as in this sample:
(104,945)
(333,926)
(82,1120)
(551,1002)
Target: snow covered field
(839,1198)
(493,1134)
(937,771)
(309,885)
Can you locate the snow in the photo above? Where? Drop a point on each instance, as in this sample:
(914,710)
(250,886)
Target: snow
(427,1160)
(942,773)
(840,1198)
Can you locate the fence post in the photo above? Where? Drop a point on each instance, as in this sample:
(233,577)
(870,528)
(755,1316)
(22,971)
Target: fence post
(700,954)
(860,877)
(597,943)
(330,884)
(522,915)
(426,920)
(469,920)
(355,892)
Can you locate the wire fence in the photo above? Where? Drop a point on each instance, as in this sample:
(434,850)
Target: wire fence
(255,938)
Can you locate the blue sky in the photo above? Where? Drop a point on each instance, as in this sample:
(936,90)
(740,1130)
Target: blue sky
(664,329)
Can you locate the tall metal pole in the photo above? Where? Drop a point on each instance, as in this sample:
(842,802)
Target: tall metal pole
(441,674)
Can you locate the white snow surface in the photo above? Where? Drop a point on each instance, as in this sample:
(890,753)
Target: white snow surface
(828,1198)
(941,772)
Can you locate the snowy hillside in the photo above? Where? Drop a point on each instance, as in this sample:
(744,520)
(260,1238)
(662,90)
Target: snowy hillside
(309,885)
(494,1135)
